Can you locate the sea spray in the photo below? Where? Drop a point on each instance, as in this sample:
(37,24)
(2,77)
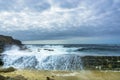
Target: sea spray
(55,57)
(43,58)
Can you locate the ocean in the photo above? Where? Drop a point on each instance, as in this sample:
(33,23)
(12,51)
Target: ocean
(55,57)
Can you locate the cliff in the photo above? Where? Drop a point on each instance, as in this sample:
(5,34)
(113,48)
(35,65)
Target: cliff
(7,41)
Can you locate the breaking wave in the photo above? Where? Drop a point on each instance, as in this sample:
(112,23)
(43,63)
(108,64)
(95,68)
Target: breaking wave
(54,57)
(44,57)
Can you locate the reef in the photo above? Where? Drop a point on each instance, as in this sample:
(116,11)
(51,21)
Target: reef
(101,62)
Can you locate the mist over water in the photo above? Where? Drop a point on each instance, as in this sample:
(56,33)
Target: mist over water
(54,57)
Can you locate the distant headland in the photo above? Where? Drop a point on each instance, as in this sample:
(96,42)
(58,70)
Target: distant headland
(7,41)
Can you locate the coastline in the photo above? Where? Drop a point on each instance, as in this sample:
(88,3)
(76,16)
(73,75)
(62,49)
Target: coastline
(94,67)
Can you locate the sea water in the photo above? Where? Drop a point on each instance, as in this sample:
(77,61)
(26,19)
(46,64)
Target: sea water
(55,57)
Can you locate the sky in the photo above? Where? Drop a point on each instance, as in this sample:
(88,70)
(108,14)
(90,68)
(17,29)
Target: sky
(61,21)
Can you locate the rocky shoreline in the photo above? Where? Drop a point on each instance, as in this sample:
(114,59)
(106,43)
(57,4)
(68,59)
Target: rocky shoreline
(101,62)
(88,62)
(18,77)
(8,41)
(95,64)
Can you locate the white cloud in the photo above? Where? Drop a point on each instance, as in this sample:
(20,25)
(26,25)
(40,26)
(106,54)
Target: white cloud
(54,18)
(84,17)
(49,19)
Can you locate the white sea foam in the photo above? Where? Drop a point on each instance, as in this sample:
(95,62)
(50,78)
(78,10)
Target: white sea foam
(51,57)
(67,74)
(42,57)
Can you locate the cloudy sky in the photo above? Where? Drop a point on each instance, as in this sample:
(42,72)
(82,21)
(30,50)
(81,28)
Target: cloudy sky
(63,21)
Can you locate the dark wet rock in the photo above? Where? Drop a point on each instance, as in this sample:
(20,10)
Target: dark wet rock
(101,62)
(1,62)
(48,78)
(2,77)
(8,41)
(5,70)
(99,49)
(18,77)
(49,49)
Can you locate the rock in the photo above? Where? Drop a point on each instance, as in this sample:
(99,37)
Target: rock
(1,63)
(48,78)
(7,41)
(5,70)
(101,62)
(98,49)
(2,77)
(18,77)
(49,49)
